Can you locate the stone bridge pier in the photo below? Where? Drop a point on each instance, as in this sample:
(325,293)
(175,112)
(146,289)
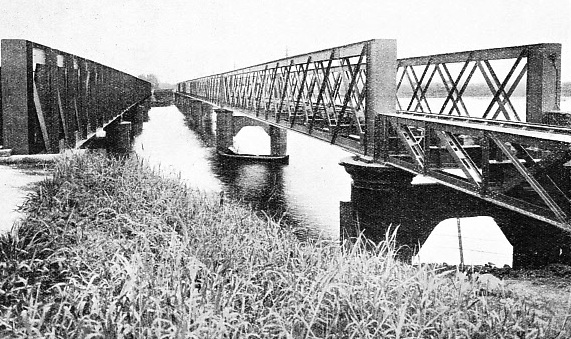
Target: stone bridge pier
(227,125)
(121,131)
(199,113)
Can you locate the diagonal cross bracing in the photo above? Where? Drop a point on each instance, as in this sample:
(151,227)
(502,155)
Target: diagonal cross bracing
(334,95)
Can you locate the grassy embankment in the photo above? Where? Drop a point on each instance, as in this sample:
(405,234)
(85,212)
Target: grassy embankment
(111,249)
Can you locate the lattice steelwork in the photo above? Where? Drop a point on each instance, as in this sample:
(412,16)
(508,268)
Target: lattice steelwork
(510,148)
(321,93)
(439,84)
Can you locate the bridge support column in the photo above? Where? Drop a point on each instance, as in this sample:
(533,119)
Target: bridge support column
(196,109)
(147,106)
(207,112)
(206,116)
(137,117)
(278,141)
(543,81)
(118,135)
(206,124)
(224,129)
(373,175)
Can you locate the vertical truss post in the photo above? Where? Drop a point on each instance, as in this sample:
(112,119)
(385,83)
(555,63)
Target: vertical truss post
(301,89)
(485,164)
(261,89)
(284,91)
(382,138)
(380,89)
(271,93)
(428,131)
(543,80)
(16,94)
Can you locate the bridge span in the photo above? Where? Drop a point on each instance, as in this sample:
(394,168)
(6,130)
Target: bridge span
(420,116)
(53,100)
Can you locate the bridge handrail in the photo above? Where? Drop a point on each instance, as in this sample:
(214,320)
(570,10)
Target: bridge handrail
(353,49)
(482,54)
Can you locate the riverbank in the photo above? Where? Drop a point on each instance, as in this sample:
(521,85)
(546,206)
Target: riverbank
(112,249)
(17,181)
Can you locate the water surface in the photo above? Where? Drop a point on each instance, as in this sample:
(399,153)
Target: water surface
(305,192)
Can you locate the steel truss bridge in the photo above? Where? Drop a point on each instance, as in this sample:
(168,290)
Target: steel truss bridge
(52,100)
(485,122)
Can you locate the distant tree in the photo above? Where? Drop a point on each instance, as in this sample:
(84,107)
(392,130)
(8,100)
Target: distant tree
(166,85)
(150,78)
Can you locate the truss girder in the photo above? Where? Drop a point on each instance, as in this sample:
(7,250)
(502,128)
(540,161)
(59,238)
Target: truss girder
(324,94)
(459,154)
(417,91)
(526,174)
(493,178)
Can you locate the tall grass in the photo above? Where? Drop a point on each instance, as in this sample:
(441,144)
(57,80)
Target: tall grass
(111,249)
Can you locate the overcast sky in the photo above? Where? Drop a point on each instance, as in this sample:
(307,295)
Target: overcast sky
(183,39)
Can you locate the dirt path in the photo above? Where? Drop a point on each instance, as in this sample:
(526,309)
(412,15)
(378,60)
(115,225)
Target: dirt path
(15,184)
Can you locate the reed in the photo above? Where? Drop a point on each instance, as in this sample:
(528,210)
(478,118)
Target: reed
(110,249)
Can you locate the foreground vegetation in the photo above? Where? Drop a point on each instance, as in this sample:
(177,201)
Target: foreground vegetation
(112,250)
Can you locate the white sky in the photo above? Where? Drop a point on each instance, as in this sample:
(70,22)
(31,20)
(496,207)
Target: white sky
(183,39)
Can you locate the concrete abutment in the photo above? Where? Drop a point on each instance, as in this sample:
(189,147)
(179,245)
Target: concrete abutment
(367,175)
(118,137)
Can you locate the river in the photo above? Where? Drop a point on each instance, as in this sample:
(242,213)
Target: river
(307,192)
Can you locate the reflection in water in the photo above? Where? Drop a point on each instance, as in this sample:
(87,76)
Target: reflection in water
(306,192)
(167,144)
(258,185)
(253,175)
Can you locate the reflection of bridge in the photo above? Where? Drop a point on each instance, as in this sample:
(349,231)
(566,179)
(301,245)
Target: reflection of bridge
(364,99)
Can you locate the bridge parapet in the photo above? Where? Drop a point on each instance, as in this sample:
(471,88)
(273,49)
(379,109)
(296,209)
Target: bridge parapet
(53,100)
